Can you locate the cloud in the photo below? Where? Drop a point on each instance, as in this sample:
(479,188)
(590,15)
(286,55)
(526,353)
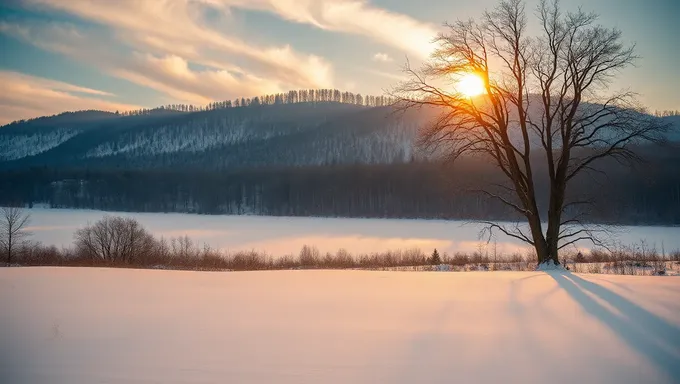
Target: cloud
(354,17)
(26,96)
(170,74)
(387,75)
(183,48)
(383,57)
(178,27)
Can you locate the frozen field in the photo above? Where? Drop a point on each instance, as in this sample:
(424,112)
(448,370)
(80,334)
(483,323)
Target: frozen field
(282,235)
(62,325)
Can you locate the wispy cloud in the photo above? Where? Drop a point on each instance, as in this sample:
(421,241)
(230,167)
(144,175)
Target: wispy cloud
(171,74)
(352,16)
(167,73)
(383,57)
(26,96)
(387,75)
(178,28)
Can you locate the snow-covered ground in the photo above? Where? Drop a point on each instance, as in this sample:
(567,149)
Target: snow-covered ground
(64,325)
(285,235)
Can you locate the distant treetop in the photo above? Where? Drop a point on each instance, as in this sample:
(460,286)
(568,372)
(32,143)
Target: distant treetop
(290,97)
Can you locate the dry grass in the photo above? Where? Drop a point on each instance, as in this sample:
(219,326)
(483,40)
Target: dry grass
(182,253)
(640,259)
(207,259)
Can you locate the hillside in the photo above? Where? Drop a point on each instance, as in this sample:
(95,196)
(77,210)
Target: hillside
(296,134)
(88,325)
(266,135)
(324,158)
(674,122)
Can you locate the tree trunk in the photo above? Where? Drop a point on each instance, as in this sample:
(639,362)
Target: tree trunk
(542,252)
(551,243)
(546,250)
(9,249)
(553,234)
(540,244)
(556,204)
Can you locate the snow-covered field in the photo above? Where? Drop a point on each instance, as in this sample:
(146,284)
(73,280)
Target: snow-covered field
(64,325)
(283,235)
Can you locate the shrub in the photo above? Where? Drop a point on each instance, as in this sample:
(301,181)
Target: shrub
(460,259)
(115,239)
(579,258)
(309,256)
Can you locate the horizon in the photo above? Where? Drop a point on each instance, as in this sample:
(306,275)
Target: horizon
(82,55)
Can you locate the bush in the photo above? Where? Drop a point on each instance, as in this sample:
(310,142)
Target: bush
(579,258)
(460,259)
(309,256)
(115,239)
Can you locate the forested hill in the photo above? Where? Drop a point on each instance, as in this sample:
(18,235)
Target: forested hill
(341,128)
(330,154)
(298,128)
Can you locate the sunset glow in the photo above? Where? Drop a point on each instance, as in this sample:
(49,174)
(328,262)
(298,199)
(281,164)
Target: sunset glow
(470,85)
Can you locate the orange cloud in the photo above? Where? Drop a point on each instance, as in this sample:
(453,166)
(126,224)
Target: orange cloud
(177,28)
(26,96)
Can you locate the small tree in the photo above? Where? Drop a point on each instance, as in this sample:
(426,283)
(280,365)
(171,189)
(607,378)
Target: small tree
(435,259)
(115,239)
(13,221)
(183,247)
(309,256)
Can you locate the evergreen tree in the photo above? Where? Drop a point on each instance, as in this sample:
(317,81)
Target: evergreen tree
(435,259)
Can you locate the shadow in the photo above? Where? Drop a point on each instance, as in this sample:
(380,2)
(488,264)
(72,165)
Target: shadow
(424,350)
(516,287)
(618,285)
(647,334)
(438,351)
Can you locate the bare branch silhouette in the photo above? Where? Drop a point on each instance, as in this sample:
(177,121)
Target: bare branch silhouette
(543,94)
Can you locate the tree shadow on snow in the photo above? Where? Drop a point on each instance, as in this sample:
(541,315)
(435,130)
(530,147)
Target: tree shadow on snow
(648,334)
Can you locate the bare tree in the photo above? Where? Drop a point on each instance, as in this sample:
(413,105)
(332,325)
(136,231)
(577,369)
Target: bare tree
(115,239)
(183,247)
(542,94)
(13,221)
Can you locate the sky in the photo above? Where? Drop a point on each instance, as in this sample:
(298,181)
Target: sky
(59,55)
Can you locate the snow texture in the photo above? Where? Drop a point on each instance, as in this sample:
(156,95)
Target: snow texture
(82,325)
(20,146)
(549,266)
(393,144)
(195,137)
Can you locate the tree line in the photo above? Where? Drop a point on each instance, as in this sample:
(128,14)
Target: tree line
(667,113)
(290,97)
(645,195)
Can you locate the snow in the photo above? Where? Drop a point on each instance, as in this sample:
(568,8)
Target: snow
(81,325)
(193,137)
(286,235)
(549,266)
(14,147)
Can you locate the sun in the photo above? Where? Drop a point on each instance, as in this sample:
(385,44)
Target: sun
(470,85)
